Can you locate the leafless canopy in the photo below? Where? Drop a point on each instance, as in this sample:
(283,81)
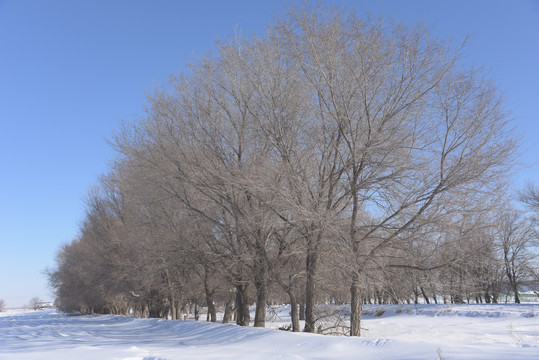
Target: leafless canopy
(338,153)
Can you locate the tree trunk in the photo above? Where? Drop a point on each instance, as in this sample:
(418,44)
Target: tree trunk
(487,295)
(146,311)
(424,295)
(309,304)
(173,308)
(355,307)
(242,306)
(416,296)
(261,286)
(211,316)
(227,317)
(302,310)
(179,312)
(515,290)
(310,288)
(260,312)
(511,276)
(293,311)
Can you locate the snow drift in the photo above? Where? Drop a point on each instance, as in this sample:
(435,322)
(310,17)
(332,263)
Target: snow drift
(401,332)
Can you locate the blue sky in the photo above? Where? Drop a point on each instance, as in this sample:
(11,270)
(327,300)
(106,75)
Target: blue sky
(71,71)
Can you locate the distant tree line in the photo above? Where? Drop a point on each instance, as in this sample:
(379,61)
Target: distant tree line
(337,159)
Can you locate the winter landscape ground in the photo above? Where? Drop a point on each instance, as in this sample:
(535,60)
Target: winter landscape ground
(490,331)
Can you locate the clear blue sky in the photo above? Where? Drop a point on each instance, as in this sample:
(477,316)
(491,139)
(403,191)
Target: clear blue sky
(71,71)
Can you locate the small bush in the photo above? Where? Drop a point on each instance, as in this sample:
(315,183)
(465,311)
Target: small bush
(379,313)
(286,328)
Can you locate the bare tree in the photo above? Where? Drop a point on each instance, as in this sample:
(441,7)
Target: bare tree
(2,305)
(415,128)
(334,145)
(530,197)
(34,303)
(517,238)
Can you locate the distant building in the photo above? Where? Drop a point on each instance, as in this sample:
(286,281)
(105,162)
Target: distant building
(44,305)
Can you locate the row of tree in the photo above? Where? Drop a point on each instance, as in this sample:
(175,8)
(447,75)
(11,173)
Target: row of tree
(337,159)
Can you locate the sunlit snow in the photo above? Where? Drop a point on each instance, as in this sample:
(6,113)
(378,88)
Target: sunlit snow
(493,331)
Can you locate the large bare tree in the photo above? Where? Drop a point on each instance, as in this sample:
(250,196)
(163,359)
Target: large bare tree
(414,126)
(333,136)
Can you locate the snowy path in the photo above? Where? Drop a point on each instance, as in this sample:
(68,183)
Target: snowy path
(456,332)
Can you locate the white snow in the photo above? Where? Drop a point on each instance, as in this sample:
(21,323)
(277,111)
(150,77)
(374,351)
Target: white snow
(494,331)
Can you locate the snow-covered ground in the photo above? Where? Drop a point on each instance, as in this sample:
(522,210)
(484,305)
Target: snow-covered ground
(401,332)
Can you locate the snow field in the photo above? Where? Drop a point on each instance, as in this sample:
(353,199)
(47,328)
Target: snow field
(493,331)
